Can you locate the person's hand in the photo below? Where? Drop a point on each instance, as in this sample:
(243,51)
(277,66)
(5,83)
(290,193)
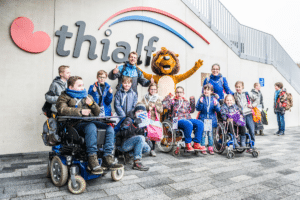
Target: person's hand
(110,90)
(94,88)
(229,120)
(201,99)
(152,80)
(249,106)
(192,97)
(88,101)
(150,108)
(215,102)
(170,95)
(85,112)
(116,70)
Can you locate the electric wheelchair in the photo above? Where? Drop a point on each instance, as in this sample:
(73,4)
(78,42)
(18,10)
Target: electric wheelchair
(68,159)
(223,139)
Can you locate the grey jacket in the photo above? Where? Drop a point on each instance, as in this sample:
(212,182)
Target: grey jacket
(56,88)
(242,103)
(125,101)
(256,98)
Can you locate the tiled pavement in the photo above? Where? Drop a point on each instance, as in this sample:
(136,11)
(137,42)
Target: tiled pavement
(275,174)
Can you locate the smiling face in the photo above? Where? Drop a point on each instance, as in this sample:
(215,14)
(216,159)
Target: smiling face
(215,70)
(207,92)
(101,78)
(132,59)
(229,100)
(239,88)
(78,85)
(152,90)
(165,62)
(276,87)
(257,87)
(126,85)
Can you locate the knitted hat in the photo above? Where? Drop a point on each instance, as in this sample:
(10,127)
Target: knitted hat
(139,106)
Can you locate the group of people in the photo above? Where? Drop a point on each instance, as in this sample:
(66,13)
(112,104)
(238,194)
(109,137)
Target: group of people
(69,98)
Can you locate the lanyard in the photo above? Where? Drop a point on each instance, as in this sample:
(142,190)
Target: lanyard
(147,102)
(123,100)
(180,104)
(99,89)
(77,102)
(208,105)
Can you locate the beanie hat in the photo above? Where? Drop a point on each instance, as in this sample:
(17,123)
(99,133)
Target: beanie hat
(139,106)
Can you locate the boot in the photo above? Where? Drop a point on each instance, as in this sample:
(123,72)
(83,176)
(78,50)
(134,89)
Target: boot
(280,133)
(243,141)
(211,150)
(276,133)
(152,153)
(109,163)
(139,166)
(189,147)
(93,165)
(198,147)
(261,132)
(256,133)
(235,143)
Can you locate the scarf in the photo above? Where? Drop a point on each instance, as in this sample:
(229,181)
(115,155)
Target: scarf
(76,94)
(151,98)
(277,92)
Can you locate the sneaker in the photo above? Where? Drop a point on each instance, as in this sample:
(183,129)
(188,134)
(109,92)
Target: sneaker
(276,133)
(211,150)
(204,152)
(261,132)
(280,133)
(138,165)
(189,147)
(198,147)
(109,163)
(152,153)
(256,133)
(93,165)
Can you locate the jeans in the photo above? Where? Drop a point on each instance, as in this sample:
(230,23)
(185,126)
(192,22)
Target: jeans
(250,126)
(188,125)
(138,145)
(90,131)
(210,138)
(281,122)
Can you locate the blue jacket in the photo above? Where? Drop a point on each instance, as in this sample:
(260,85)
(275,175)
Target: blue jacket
(202,107)
(220,84)
(131,71)
(106,97)
(125,101)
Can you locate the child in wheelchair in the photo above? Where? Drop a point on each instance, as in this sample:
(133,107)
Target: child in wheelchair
(181,110)
(76,102)
(231,114)
(131,137)
(207,106)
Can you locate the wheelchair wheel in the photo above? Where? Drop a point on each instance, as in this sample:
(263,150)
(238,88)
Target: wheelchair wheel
(230,155)
(240,151)
(167,141)
(48,175)
(220,139)
(255,153)
(58,171)
(81,185)
(176,152)
(118,174)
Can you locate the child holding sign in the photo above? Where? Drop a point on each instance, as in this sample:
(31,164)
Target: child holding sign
(208,105)
(181,109)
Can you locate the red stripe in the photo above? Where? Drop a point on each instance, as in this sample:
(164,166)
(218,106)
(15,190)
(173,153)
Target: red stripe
(156,11)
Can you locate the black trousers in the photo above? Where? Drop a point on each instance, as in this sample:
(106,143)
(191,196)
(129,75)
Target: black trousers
(233,129)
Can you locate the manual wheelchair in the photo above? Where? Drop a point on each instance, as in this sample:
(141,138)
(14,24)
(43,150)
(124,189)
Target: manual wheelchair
(223,139)
(68,158)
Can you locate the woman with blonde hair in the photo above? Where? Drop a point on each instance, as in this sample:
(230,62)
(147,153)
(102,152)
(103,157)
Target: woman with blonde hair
(154,105)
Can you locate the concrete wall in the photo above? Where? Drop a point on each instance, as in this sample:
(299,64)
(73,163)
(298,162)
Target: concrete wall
(26,77)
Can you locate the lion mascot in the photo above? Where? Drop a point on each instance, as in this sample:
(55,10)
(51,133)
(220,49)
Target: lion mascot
(165,65)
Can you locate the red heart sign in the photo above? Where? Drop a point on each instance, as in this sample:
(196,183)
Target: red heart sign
(21,33)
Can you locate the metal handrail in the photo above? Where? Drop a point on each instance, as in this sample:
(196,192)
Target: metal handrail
(246,42)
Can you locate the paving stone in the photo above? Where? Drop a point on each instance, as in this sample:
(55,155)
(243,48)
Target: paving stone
(152,193)
(86,196)
(179,193)
(254,189)
(35,196)
(129,177)
(147,173)
(39,191)
(240,178)
(286,172)
(1,190)
(189,183)
(109,198)
(20,188)
(266,195)
(221,183)
(57,194)
(290,189)
(123,189)
(105,186)
(203,187)
(7,196)
(276,182)
(190,176)
(293,197)
(128,182)
(205,194)
(156,182)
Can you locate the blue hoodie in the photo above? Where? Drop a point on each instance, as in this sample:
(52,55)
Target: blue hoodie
(125,101)
(202,107)
(106,97)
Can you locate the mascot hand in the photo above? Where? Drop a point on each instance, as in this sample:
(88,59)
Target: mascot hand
(199,63)
(152,80)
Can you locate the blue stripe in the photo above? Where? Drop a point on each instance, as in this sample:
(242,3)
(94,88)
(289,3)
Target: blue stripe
(152,21)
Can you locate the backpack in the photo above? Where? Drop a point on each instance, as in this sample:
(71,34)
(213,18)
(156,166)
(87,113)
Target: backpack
(289,101)
(47,106)
(50,136)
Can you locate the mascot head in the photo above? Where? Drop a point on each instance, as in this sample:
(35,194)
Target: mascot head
(165,62)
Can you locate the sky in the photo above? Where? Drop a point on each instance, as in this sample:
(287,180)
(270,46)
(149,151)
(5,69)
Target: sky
(280,18)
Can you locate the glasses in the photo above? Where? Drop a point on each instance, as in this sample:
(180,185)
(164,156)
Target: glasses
(215,69)
(153,89)
(179,92)
(102,77)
